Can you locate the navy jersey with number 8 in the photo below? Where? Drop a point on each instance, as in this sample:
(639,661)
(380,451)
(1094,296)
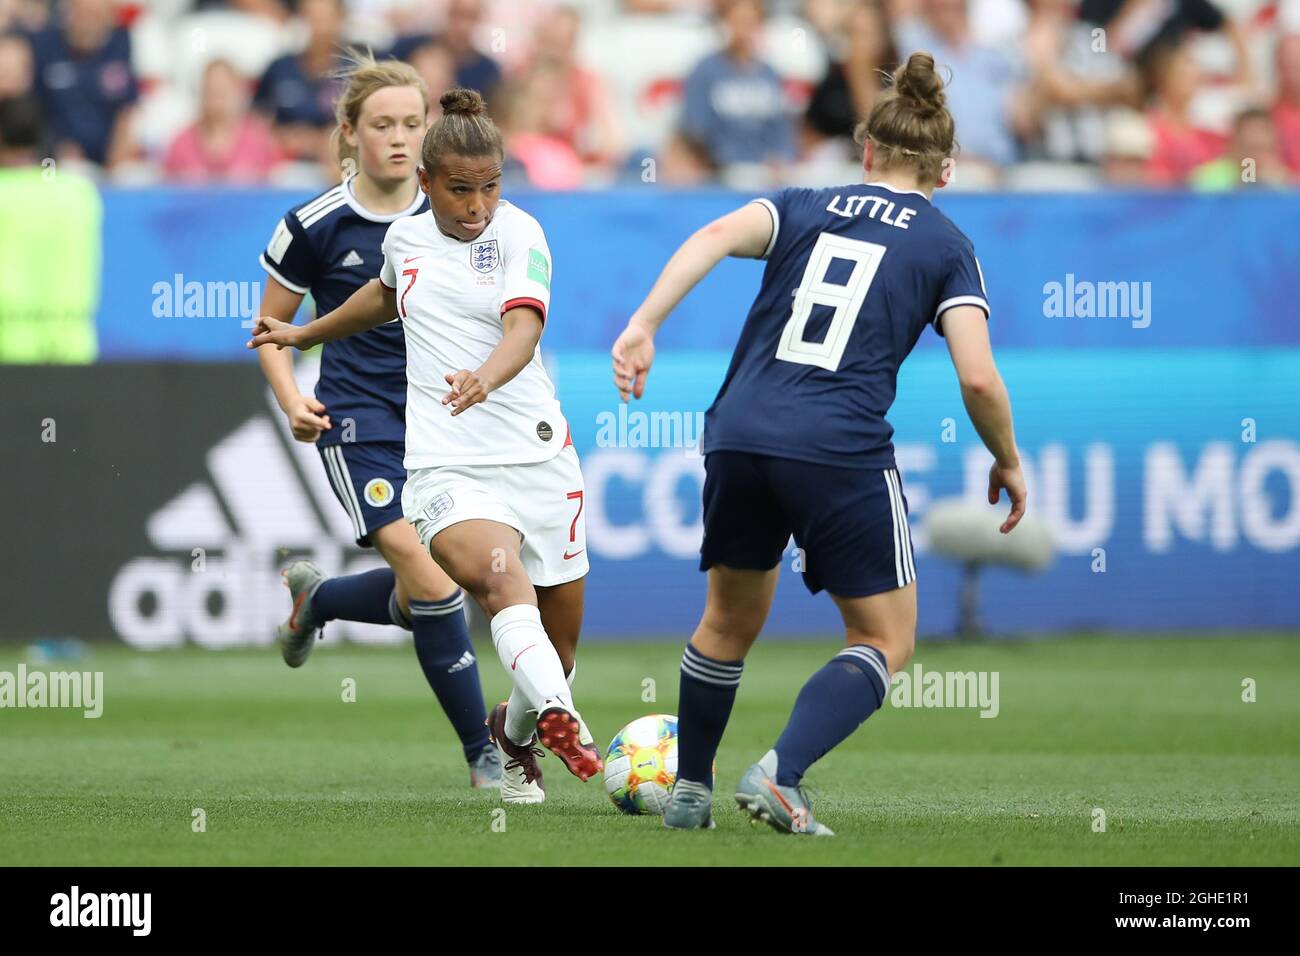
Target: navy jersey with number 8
(854,274)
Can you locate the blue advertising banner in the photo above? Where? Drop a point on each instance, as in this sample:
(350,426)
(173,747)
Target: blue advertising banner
(1151,344)
(1170,481)
(181,272)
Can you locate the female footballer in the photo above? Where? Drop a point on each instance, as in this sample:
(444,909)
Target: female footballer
(796,441)
(493,487)
(330,247)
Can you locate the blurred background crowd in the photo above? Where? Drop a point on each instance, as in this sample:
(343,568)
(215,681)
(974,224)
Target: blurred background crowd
(1047,94)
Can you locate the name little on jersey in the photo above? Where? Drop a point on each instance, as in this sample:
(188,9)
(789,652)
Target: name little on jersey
(885,210)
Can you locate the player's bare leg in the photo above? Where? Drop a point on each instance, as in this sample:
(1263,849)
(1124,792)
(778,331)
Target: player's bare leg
(483,558)
(885,621)
(880,635)
(561,607)
(735,610)
(431,602)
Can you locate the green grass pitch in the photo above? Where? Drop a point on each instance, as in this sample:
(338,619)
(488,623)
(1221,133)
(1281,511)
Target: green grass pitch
(1152,731)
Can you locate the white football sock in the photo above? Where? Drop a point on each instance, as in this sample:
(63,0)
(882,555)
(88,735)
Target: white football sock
(584,734)
(529,657)
(521,723)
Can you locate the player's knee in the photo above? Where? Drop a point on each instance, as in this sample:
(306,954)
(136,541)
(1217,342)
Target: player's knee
(423,580)
(732,630)
(497,590)
(901,650)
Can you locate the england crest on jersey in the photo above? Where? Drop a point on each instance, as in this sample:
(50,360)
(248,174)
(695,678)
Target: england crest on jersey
(483,256)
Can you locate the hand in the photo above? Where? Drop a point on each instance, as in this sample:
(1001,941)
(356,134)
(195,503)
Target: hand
(633,353)
(307,418)
(467,388)
(269,331)
(1013,480)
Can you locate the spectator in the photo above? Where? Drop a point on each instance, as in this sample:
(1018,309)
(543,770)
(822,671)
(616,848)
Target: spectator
(474,70)
(1252,157)
(27,16)
(1071,85)
(545,160)
(1135,27)
(1128,144)
(437,68)
(1286,108)
(84,81)
(734,107)
(846,92)
(50,247)
(297,92)
(15,66)
(1172,78)
(226,143)
(581,111)
(984,95)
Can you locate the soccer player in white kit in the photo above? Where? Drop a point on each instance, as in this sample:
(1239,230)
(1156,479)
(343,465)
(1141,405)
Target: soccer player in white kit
(494,489)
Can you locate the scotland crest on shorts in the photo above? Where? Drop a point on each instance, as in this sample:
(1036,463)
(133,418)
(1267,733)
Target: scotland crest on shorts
(483,256)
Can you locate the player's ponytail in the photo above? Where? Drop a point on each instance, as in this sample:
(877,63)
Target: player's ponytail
(465,129)
(362,76)
(909,125)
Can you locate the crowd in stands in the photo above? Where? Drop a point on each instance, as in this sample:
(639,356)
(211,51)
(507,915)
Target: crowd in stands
(1047,94)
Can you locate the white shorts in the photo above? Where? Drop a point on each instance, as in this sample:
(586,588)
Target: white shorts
(543,501)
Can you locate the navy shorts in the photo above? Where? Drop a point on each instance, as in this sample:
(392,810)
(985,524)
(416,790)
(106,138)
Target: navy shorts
(850,523)
(367,479)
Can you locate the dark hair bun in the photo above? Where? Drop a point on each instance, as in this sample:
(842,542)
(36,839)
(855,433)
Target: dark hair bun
(462,102)
(917,81)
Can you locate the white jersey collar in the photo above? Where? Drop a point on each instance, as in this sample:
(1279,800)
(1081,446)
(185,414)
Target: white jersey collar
(365,213)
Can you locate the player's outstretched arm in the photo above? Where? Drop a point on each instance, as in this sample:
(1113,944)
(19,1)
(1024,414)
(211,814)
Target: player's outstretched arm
(373,304)
(521,331)
(966,331)
(306,414)
(743,233)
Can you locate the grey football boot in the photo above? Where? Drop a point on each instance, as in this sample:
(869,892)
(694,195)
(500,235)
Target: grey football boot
(784,809)
(298,634)
(690,807)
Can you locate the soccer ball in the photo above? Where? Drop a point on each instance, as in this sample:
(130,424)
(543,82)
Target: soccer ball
(641,765)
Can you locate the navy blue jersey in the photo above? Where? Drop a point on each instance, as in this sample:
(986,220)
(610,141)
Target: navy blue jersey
(854,275)
(330,247)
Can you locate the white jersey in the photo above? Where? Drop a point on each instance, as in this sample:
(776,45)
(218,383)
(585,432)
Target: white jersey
(451,296)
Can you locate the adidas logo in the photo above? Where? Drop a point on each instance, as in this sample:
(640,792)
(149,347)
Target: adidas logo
(212,577)
(352,259)
(465,661)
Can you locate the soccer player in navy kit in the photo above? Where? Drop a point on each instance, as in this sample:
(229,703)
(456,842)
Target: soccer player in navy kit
(796,441)
(330,247)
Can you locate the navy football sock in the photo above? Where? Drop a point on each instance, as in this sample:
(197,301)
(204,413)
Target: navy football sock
(355,597)
(708,689)
(833,704)
(447,658)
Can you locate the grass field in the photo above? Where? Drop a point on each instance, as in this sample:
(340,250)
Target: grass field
(1152,731)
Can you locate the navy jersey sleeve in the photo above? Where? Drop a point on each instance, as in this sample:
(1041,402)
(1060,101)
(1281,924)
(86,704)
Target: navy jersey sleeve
(289,257)
(962,283)
(777,205)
